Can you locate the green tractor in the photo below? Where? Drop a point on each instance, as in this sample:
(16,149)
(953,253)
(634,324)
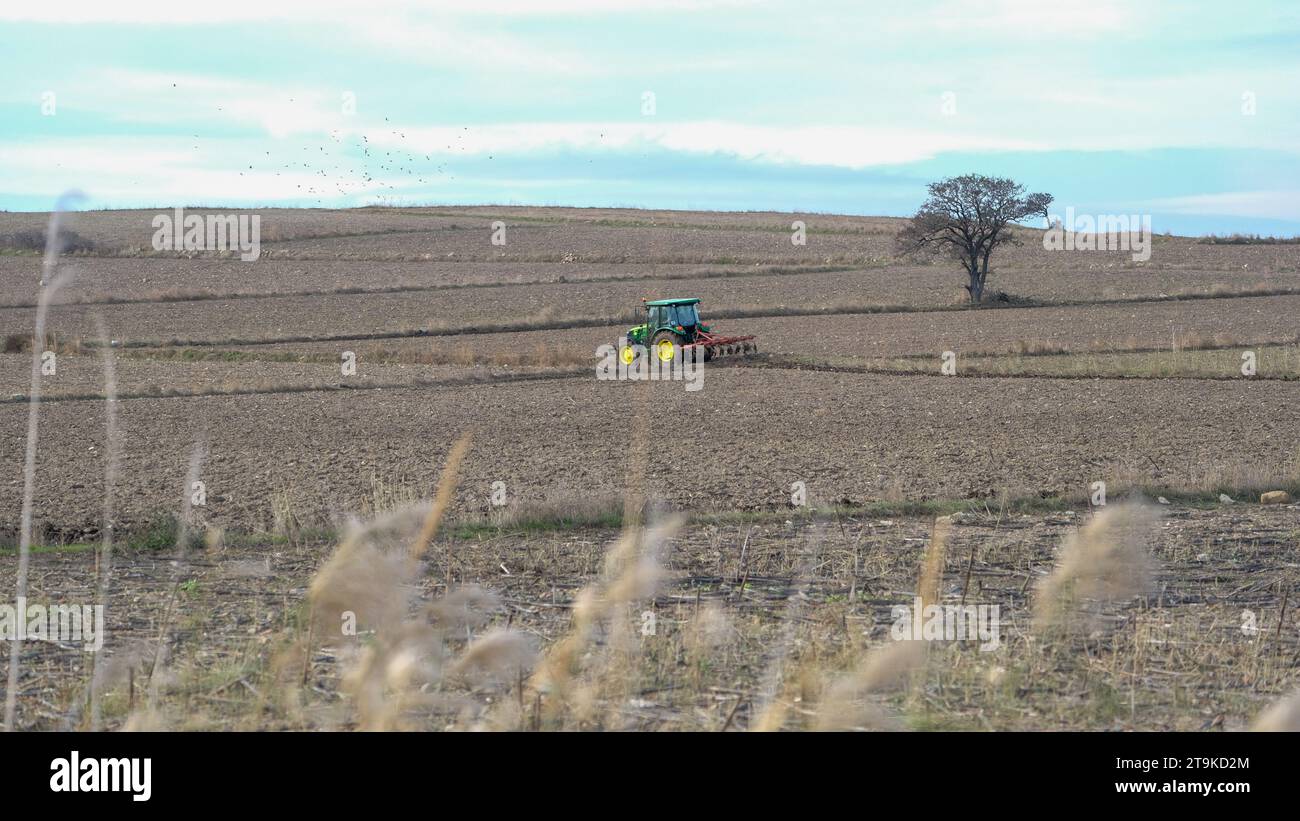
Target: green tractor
(674,324)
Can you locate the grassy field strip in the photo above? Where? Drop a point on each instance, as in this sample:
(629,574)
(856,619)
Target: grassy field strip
(1189,361)
(1272,362)
(609,512)
(315,387)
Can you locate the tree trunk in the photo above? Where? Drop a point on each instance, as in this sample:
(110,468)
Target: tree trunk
(976,287)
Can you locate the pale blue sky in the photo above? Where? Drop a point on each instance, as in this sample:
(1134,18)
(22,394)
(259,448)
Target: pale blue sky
(849,107)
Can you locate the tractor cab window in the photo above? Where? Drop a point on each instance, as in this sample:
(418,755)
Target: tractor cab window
(684,315)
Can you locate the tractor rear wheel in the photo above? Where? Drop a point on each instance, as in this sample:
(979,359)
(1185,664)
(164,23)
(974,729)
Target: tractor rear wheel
(665,346)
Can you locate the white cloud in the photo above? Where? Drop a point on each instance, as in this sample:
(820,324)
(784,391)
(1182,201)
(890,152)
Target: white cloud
(448,41)
(438,32)
(845,146)
(170,12)
(1034,18)
(147,97)
(122,169)
(1282,205)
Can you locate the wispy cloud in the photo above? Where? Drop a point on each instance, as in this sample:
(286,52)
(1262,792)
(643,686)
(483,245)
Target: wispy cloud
(1035,19)
(168,12)
(843,146)
(156,171)
(1257,204)
(484,100)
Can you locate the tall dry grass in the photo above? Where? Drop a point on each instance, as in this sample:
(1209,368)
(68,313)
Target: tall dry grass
(367,589)
(104,558)
(1104,562)
(51,280)
(590,671)
(1283,716)
(399,671)
(148,717)
(777,687)
(846,704)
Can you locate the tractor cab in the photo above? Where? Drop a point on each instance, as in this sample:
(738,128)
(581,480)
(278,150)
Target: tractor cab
(681,316)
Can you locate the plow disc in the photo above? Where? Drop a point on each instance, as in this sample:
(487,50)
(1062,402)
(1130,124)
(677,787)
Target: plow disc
(715,346)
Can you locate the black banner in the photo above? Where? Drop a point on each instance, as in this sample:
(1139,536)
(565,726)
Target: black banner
(143,772)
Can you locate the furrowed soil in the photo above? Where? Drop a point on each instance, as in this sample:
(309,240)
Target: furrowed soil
(756,430)
(764,602)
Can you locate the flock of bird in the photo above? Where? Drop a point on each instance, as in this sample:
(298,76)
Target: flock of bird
(348,163)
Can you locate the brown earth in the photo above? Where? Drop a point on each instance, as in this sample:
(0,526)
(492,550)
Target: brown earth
(163,279)
(1255,319)
(745,437)
(82,375)
(292,446)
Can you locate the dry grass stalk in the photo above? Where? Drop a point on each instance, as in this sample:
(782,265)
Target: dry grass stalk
(1104,562)
(498,655)
(50,283)
(773,704)
(772,716)
(197,455)
(365,588)
(631,572)
(932,565)
(402,677)
(442,498)
(887,666)
(1283,716)
(104,559)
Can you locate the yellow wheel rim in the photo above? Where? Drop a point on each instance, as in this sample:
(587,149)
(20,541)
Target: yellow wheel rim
(665,350)
(627,355)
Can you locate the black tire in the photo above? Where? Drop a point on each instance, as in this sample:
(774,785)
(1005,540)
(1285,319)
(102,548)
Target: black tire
(662,335)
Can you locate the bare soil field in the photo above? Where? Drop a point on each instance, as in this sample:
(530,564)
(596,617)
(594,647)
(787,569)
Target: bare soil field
(169,279)
(1241,321)
(1081,327)
(133,230)
(570,307)
(147,375)
(564,288)
(765,602)
(759,430)
(583,242)
(606,234)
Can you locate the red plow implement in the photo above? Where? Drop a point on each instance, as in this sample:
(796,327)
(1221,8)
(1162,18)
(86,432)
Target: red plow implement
(715,346)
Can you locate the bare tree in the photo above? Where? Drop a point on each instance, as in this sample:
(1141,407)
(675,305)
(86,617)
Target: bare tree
(967,217)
